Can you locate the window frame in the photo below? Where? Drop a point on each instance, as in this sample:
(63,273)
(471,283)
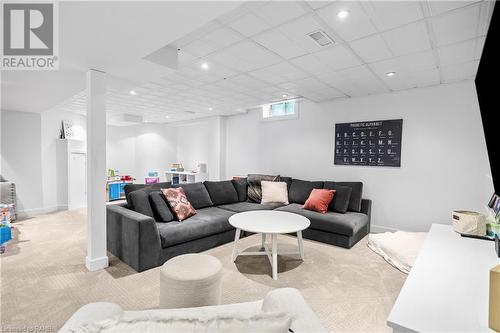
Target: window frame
(294,115)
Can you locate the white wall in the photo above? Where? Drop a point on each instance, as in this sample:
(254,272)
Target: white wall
(50,131)
(444,160)
(203,141)
(21,158)
(135,150)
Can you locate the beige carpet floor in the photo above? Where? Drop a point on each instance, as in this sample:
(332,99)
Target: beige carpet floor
(44,279)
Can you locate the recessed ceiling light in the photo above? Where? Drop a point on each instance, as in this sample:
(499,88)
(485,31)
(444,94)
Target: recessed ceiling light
(132,92)
(390,73)
(284,95)
(167,117)
(204,65)
(210,108)
(342,14)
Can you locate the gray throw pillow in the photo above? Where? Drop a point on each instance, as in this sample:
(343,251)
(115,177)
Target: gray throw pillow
(356,195)
(139,201)
(197,195)
(222,192)
(254,192)
(241,186)
(340,202)
(160,208)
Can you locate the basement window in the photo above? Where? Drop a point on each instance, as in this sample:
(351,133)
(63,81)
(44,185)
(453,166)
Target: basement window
(281,110)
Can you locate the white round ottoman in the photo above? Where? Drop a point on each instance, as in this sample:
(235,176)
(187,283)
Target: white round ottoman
(190,280)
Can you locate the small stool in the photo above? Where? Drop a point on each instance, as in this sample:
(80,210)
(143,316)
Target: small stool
(190,280)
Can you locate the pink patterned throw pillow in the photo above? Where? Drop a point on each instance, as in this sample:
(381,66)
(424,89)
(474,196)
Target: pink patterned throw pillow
(179,203)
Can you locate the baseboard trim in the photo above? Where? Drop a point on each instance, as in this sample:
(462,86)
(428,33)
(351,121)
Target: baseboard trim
(27,213)
(376,229)
(96,264)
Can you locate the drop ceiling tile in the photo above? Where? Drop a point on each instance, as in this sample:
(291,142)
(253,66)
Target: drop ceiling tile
(199,48)
(438,7)
(230,61)
(425,78)
(391,14)
(356,25)
(479,47)
(278,12)
(221,38)
(460,71)
(337,57)
(297,31)
(275,41)
(406,64)
(458,53)
(249,24)
(318,4)
(371,49)
(253,54)
(310,64)
(408,39)
(457,25)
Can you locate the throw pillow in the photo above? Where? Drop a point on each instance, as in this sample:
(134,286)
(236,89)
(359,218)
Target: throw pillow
(178,202)
(197,195)
(319,199)
(222,192)
(301,189)
(356,195)
(240,184)
(139,201)
(340,202)
(274,192)
(160,207)
(254,193)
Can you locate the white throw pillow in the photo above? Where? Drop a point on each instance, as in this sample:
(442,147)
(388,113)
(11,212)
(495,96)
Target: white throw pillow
(274,192)
(137,321)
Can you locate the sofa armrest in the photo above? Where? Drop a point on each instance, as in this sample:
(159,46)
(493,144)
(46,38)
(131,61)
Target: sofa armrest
(290,300)
(132,237)
(366,208)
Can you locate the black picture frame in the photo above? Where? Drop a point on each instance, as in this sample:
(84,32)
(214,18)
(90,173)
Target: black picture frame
(492,201)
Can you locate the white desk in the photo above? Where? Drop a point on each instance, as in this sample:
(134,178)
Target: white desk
(448,287)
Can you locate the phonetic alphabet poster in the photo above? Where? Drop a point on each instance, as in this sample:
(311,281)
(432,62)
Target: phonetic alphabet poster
(369,143)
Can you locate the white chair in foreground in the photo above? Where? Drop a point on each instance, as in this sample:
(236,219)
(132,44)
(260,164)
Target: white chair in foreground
(283,300)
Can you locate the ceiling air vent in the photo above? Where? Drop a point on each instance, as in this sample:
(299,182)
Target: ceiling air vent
(320,38)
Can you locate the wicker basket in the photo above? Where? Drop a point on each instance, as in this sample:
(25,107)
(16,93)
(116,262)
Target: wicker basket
(469,223)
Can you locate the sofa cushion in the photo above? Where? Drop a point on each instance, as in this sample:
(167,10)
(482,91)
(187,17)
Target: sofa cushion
(134,187)
(248,206)
(356,195)
(139,201)
(222,192)
(159,205)
(287,180)
(301,189)
(241,187)
(208,221)
(274,192)
(254,193)
(319,199)
(179,203)
(340,202)
(197,195)
(346,224)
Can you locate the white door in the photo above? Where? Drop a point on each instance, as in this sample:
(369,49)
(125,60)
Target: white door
(77,180)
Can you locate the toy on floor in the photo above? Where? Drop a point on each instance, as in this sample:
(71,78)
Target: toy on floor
(5,232)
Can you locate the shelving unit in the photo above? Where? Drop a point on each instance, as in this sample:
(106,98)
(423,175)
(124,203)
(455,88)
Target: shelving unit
(185,177)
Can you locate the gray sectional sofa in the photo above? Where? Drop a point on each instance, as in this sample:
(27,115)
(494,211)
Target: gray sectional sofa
(144,234)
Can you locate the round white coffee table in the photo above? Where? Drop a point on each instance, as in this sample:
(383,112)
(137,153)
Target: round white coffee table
(269,222)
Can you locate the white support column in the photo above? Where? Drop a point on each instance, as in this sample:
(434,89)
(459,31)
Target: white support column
(96,171)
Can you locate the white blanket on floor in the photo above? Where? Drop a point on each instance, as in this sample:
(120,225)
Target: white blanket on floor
(400,248)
